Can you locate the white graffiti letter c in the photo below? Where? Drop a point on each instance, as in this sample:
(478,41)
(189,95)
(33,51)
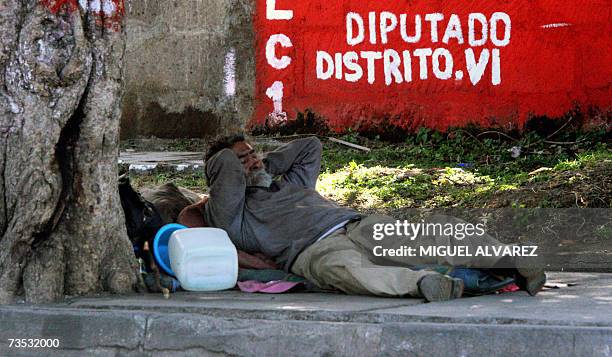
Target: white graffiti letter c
(275,62)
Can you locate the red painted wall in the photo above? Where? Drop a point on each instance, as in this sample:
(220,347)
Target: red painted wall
(107,13)
(558,55)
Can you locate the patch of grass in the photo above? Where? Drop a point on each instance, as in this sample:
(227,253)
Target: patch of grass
(376,186)
(190,179)
(449,170)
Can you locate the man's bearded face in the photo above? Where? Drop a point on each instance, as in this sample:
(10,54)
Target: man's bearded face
(259,178)
(254,168)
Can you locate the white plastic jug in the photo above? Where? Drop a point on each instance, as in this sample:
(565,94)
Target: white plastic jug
(203,259)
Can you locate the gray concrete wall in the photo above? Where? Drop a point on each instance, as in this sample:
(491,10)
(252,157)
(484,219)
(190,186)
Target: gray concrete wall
(178,71)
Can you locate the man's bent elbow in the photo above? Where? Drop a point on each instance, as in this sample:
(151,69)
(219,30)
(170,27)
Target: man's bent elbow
(315,144)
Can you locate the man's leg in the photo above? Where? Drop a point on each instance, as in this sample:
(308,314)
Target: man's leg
(528,271)
(336,262)
(361,233)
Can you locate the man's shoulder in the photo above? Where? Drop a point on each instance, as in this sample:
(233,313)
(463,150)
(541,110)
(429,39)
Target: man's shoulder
(223,154)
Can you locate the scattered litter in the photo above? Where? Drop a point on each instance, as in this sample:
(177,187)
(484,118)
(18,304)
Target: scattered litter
(515,151)
(354,146)
(541,169)
(142,167)
(508,289)
(558,285)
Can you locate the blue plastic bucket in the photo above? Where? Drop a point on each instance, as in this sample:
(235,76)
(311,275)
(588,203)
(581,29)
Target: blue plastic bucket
(160,246)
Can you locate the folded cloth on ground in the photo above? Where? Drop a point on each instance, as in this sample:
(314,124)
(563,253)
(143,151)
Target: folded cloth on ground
(256,280)
(509,288)
(271,287)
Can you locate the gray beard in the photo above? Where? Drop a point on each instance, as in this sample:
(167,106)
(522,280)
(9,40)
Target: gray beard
(259,178)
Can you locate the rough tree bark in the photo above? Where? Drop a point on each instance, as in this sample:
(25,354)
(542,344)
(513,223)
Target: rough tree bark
(62,230)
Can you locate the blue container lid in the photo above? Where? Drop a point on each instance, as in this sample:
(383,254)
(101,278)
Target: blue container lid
(160,246)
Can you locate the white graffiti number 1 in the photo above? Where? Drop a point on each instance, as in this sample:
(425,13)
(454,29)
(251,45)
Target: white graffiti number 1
(275,92)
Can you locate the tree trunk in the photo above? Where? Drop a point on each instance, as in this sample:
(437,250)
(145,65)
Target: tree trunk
(62,230)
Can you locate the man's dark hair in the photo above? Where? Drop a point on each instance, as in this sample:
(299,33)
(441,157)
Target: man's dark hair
(222,142)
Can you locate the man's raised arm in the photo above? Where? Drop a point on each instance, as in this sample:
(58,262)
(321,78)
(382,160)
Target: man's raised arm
(227,183)
(299,161)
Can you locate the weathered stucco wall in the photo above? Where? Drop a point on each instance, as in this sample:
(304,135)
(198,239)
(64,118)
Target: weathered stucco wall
(189,67)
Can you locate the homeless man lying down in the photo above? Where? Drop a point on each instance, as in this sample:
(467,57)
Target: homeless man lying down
(269,205)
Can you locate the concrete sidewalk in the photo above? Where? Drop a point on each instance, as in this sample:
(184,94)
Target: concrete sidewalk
(573,319)
(145,160)
(167,160)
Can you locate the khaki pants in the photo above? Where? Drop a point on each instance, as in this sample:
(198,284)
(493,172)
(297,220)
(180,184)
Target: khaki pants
(345,260)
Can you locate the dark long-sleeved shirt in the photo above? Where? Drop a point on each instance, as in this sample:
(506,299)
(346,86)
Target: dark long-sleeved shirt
(280,220)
